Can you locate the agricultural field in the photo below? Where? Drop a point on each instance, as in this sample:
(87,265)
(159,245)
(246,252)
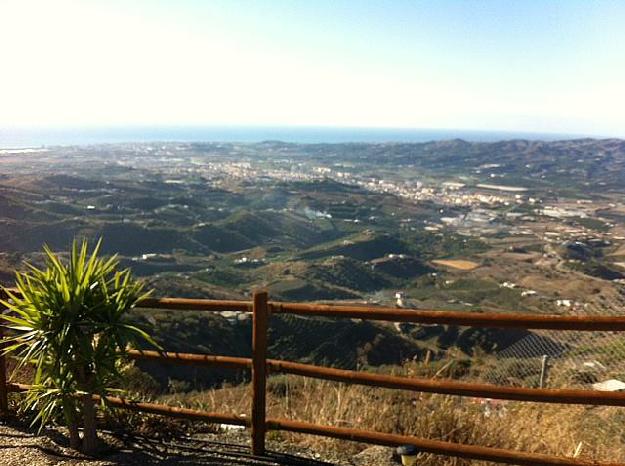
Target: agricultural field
(457,264)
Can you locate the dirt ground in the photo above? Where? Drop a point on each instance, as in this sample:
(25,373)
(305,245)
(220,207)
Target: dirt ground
(20,446)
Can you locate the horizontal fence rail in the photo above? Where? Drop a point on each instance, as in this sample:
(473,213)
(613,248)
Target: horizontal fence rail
(434,317)
(176,304)
(183,304)
(192,359)
(260,366)
(445,386)
(157,408)
(172,411)
(450,387)
(467,319)
(436,447)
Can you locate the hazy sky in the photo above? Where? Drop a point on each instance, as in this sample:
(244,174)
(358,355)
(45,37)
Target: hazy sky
(552,66)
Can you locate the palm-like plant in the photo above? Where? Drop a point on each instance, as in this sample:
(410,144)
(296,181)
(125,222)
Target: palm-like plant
(70,321)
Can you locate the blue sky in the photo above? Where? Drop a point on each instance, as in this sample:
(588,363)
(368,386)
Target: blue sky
(539,66)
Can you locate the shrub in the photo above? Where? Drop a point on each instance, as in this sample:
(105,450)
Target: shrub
(69,321)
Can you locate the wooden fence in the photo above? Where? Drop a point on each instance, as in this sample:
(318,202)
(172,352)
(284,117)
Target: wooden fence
(260,366)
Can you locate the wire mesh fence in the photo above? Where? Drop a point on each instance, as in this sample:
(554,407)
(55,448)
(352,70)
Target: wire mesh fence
(560,359)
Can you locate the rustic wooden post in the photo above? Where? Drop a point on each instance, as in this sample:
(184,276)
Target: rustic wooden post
(259,371)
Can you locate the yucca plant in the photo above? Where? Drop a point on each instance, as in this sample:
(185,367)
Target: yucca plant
(70,321)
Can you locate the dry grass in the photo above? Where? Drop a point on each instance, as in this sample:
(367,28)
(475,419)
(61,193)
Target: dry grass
(592,433)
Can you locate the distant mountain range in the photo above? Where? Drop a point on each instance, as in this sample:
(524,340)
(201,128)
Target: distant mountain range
(41,136)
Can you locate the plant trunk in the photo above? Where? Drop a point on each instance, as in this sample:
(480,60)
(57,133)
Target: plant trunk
(72,426)
(74,436)
(90,434)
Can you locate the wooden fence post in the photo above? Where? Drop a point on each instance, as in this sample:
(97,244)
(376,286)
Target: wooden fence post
(259,371)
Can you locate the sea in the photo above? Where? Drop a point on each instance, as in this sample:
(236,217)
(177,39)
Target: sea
(15,138)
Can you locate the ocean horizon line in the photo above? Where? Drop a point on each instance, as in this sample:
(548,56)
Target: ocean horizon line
(30,137)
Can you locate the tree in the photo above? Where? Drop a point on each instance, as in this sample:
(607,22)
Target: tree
(71,321)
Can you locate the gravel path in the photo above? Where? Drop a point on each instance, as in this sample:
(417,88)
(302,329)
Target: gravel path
(19,446)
